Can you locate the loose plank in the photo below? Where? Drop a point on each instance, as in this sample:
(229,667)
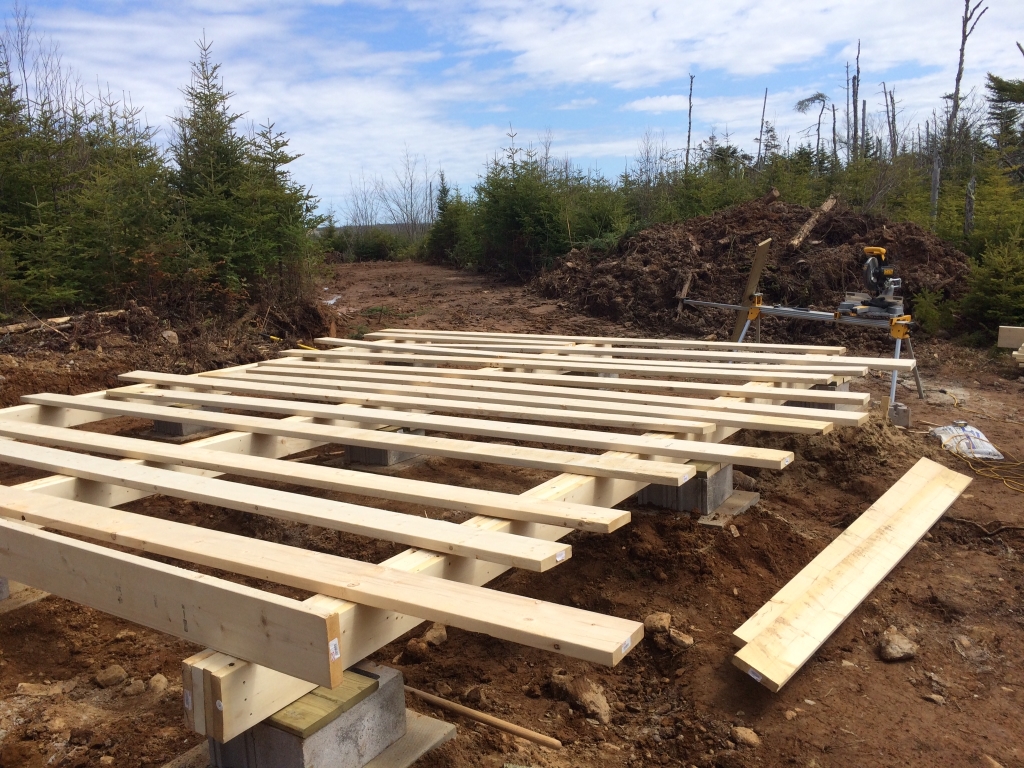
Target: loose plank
(472,500)
(829,589)
(570,631)
(233,618)
(436,535)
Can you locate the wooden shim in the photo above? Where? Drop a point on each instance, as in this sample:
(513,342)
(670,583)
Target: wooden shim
(298,367)
(811,223)
(753,278)
(1011,337)
(505,408)
(803,616)
(570,631)
(538,458)
(293,380)
(731,373)
(243,621)
(693,363)
(680,419)
(329,478)
(436,535)
(411,334)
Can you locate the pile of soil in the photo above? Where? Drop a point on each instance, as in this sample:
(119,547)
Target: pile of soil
(638,281)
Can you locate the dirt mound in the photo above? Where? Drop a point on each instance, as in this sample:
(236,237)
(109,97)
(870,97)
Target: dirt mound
(637,282)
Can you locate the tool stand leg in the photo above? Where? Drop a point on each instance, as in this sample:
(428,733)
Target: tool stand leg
(892,388)
(917,370)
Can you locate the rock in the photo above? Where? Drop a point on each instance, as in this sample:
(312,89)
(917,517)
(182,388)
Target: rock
(582,693)
(442,688)
(417,650)
(437,635)
(135,688)
(935,698)
(38,689)
(849,664)
(743,482)
(658,622)
(476,696)
(112,675)
(745,737)
(158,683)
(790,714)
(125,634)
(106,760)
(680,639)
(170,337)
(896,646)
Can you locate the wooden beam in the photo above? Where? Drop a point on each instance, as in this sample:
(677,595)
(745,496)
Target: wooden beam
(570,631)
(291,378)
(680,419)
(708,363)
(719,373)
(1011,337)
(811,223)
(435,535)
(471,500)
(298,367)
(243,621)
(413,334)
(538,458)
(753,278)
(791,627)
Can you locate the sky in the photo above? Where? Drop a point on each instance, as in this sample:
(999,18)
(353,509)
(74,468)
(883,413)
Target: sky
(358,85)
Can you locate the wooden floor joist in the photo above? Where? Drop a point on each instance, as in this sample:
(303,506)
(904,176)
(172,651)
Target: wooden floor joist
(473,500)
(298,367)
(412,334)
(435,535)
(293,637)
(570,631)
(538,458)
(789,629)
(681,419)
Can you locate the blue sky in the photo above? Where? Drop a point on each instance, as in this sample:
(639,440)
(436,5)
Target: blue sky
(356,84)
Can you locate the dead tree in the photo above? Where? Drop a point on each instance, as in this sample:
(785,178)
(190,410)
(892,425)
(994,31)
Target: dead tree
(855,87)
(969,21)
(689,127)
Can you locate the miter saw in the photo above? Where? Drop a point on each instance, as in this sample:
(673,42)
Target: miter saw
(880,300)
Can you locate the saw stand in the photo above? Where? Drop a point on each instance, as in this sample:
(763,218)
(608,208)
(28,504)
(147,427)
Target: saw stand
(899,414)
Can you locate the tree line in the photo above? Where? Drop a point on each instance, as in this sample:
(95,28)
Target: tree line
(94,212)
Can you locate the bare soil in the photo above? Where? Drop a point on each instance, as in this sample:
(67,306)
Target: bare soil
(958,593)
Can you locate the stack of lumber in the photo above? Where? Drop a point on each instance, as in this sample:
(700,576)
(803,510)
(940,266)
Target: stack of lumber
(780,638)
(1011,337)
(611,415)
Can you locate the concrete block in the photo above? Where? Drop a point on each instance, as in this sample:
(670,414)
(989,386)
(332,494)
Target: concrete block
(350,741)
(380,457)
(899,415)
(844,387)
(703,493)
(5,588)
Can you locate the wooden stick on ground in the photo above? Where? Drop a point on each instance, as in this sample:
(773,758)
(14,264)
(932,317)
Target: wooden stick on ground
(805,230)
(480,717)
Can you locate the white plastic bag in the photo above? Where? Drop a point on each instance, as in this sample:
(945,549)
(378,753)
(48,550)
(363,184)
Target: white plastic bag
(967,441)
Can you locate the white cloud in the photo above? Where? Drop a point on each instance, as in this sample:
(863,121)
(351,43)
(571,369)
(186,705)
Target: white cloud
(577,104)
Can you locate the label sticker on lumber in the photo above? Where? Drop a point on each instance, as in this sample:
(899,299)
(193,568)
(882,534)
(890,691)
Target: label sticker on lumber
(220,705)
(334,649)
(188,700)
(755,674)
(626,645)
(560,556)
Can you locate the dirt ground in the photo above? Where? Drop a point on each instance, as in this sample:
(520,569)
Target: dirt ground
(958,593)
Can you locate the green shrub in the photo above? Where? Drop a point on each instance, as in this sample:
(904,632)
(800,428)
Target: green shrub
(376,245)
(996,295)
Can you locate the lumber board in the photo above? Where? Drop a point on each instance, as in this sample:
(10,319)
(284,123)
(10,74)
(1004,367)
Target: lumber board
(803,616)
(413,334)
(499,409)
(1011,337)
(313,711)
(720,373)
(297,366)
(538,458)
(753,278)
(681,419)
(595,399)
(570,631)
(480,502)
(657,471)
(411,530)
(256,625)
